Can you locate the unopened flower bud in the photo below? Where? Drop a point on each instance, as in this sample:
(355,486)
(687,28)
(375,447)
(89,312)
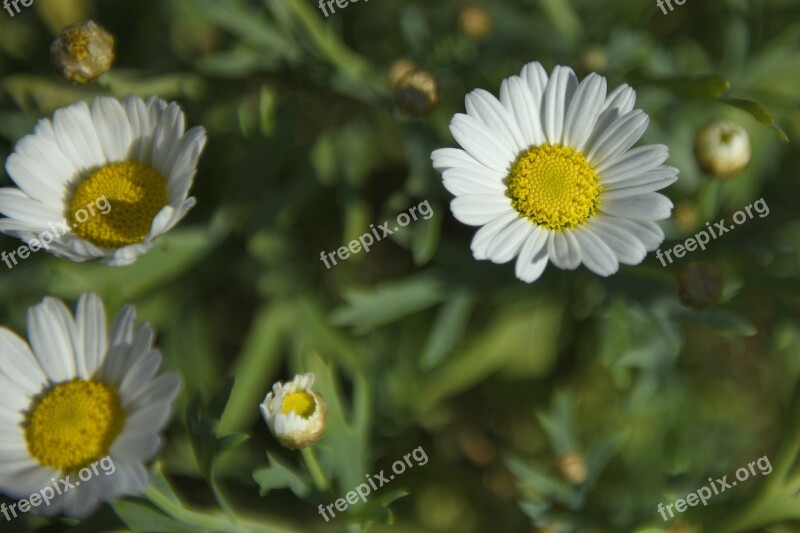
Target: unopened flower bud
(475,21)
(722,148)
(417,93)
(399,68)
(82,52)
(573,466)
(685,216)
(700,286)
(295,414)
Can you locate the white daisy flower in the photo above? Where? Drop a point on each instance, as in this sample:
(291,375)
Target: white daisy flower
(135,154)
(550,173)
(295,414)
(78,395)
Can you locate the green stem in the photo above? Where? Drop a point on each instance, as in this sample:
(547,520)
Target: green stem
(333,49)
(326,41)
(168,503)
(321,481)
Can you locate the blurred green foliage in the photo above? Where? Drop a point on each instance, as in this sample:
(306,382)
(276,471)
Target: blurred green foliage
(415,343)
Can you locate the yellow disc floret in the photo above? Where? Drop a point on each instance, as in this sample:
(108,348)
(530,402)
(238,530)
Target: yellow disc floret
(301,403)
(74,424)
(135,193)
(554,186)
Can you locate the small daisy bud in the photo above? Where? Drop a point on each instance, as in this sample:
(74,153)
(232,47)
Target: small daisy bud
(475,22)
(82,52)
(573,466)
(700,286)
(685,216)
(722,148)
(295,414)
(399,68)
(416,93)
(594,59)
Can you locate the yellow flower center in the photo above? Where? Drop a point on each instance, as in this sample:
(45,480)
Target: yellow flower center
(135,193)
(74,424)
(301,403)
(554,186)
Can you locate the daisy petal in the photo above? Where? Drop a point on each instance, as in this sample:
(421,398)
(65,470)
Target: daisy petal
(619,137)
(633,162)
(596,254)
(564,250)
(485,236)
(533,256)
(649,206)
(478,209)
(52,333)
(650,181)
(518,99)
(507,243)
(486,108)
(584,110)
(479,142)
(557,97)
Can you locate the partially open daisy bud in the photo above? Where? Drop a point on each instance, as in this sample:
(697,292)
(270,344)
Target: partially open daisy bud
(475,21)
(416,93)
(573,466)
(82,52)
(722,148)
(700,286)
(295,414)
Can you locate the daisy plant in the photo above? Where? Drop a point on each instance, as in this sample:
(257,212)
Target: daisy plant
(549,173)
(136,155)
(77,395)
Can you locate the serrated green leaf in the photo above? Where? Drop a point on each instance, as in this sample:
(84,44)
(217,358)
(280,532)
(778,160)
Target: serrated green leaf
(278,476)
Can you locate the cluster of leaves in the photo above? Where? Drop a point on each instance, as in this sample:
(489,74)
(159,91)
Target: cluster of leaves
(415,343)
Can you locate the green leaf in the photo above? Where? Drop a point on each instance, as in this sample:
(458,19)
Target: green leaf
(521,342)
(278,476)
(344,448)
(704,86)
(448,328)
(173,255)
(722,321)
(759,113)
(142,518)
(368,309)
(203,422)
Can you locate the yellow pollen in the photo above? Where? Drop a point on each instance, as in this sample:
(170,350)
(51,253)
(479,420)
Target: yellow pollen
(301,403)
(554,186)
(74,424)
(78,43)
(135,193)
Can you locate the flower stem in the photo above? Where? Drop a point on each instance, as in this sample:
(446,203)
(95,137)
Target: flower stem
(321,480)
